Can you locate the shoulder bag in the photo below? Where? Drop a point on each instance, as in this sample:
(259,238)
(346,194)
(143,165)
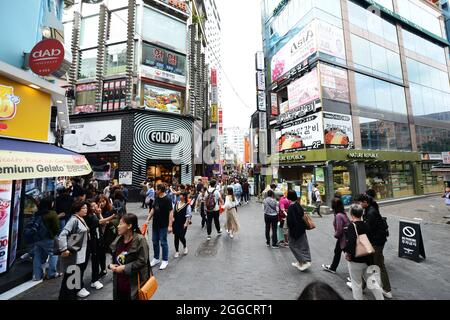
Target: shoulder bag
(310,225)
(363,246)
(147,291)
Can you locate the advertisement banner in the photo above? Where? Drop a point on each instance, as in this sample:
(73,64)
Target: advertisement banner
(214,113)
(262,101)
(213,77)
(162,99)
(299,112)
(157,74)
(5,214)
(334,83)
(274,104)
(284,107)
(260,61)
(446,157)
(163,59)
(126,177)
(92,137)
(15,223)
(338,129)
(330,39)
(304,90)
(294,52)
(303,134)
(261,80)
(24,112)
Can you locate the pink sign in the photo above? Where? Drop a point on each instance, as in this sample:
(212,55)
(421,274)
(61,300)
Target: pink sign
(304,90)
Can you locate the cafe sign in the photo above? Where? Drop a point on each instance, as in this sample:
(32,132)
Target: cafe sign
(363,155)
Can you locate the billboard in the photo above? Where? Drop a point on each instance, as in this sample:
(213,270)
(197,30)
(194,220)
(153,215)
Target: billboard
(338,130)
(162,99)
(274,104)
(334,83)
(304,90)
(303,134)
(316,36)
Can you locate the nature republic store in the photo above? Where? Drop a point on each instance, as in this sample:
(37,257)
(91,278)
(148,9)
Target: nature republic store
(26,158)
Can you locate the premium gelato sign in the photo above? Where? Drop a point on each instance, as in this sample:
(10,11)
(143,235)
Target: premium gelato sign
(363,155)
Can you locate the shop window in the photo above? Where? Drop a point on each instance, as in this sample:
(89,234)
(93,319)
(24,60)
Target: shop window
(118,26)
(116,59)
(114,97)
(88,64)
(341,183)
(378,179)
(85,98)
(431,182)
(89,32)
(164,173)
(402,178)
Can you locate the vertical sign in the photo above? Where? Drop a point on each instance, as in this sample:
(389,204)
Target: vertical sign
(410,241)
(214,97)
(260,61)
(260,80)
(5,214)
(262,101)
(274,104)
(15,222)
(446,157)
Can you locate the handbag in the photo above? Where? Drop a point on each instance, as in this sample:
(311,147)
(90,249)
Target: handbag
(74,242)
(363,246)
(310,225)
(147,291)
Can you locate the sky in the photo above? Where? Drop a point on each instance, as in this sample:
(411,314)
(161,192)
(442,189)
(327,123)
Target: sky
(241,38)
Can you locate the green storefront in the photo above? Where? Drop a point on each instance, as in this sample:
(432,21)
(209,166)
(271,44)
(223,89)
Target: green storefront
(350,172)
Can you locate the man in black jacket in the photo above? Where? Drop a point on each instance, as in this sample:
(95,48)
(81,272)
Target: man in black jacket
(378,236)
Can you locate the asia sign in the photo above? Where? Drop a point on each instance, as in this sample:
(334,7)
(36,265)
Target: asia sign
(299,112)
(274,104)
(303,134)
(24,112)
(316,36)
(46,57)
(304,90)
(338,129)
(334,83)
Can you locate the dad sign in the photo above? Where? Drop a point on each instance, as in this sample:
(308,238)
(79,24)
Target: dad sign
(410,241)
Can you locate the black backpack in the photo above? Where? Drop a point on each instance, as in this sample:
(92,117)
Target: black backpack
(314,197)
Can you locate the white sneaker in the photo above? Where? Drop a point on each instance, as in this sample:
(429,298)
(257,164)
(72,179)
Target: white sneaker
(83,293)
(176,255)
(296,265)
(208,238)
(387,295)
(186,251)
(97,285)
(349,284)
(305,266)
(154,262)
(164,265)
(231,236)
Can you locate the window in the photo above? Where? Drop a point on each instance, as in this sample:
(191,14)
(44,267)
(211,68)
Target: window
(418,13)
(432,139)
(114,95)
(85,98)
(68,26)
(423,47)
(88,9)
(118,26)
(89,32)
(384,135)
(115,4)
(116,59)
(88,64)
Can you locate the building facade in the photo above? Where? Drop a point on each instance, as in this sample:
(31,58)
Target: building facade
(359,95)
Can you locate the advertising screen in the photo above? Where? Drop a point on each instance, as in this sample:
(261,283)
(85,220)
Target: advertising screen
(162,99)
(334,83)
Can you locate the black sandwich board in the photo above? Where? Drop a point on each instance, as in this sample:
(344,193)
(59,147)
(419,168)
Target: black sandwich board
(410,241)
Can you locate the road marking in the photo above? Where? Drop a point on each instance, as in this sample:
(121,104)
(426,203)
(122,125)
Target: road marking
(19,289)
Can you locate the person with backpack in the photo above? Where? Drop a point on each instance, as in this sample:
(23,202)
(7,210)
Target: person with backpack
(119,205)
(213,202)
(316,199)
(377,234)
(340,222)
(150,196)
(63,206)
(358,266)
(41,231)
(143,193)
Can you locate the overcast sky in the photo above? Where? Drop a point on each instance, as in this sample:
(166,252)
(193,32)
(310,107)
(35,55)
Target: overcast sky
(241,38)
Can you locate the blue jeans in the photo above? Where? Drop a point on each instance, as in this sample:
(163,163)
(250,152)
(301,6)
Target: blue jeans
(43,250)
(160,235)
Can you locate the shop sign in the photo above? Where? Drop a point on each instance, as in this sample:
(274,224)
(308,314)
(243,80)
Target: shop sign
(46,57)
(446,157)
(338,129)
(162,99)
(303,134)
(431,156)
(262,101)
(24,112)
(299,112)
(286,158)
(284,107)
(5,214)
(93,137)
(164,137)
(274,104)
(410,241)
(363,155)
(177,4)
(213,77)
(262,121)
(260,80)
(214,113)
(126,177)
(334,83)
(153,73)
(164,59)
(260,61)
(304,90)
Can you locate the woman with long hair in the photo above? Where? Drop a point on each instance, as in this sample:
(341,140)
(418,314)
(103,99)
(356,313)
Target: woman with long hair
(181,218)
(130,264)
(231,203)
(340,221)
(106,221)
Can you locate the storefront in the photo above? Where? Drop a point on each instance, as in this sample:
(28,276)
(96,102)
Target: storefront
(432,183)
(350,172)
(29,162)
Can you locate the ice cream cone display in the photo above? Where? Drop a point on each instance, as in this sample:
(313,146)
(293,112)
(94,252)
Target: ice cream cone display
(8,102)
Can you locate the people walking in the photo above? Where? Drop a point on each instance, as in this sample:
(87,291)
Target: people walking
(340,222)
(74,260)
(96,245)
(150,196)
(298,241)
(201,205)
(377,234)
(237,188)
(130,264)
(446,197)
(181,219)
(213,202)
(282,217)
(246,191)
(270,206)
(47,230)
(357,266)
(162,215)
(143,193)
(230,207)
(317,199)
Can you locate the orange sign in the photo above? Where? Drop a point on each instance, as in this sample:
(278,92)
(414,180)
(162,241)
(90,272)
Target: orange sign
(24,111)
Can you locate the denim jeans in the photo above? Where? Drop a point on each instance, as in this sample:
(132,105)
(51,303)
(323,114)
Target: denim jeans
(43,250)
(160,235)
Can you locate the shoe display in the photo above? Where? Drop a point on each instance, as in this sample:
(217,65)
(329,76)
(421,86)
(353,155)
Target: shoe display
(109,138)
(164,265)
(154,262)
(97,285)
(327,268)
(83,293)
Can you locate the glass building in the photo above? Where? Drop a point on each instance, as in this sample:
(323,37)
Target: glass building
(359,94)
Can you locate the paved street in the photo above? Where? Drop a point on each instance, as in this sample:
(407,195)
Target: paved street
(244,268)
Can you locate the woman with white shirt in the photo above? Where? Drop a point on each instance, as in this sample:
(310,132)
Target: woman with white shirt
(232,223)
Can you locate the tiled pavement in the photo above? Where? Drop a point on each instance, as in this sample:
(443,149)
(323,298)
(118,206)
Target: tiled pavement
(244,268)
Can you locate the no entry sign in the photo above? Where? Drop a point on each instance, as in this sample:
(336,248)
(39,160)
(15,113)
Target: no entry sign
(46,57)
(411,241)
